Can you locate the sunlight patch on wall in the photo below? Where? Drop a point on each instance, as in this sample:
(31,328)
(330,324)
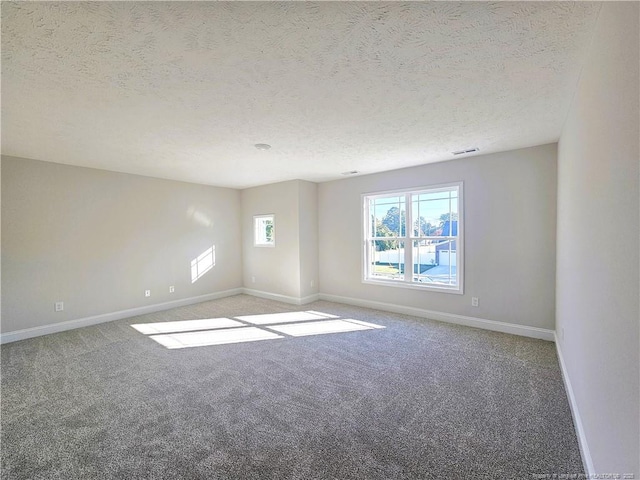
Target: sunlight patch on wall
(203,263)
(199,217)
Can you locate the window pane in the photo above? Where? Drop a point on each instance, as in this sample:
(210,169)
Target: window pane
(268,230)
(454,208)
(422,227)
(424,256)
(434,211)
(388,216)
(443,270)
(437,217)
(387,263)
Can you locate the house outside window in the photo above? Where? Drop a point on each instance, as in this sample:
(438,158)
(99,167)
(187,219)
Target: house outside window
(419,228)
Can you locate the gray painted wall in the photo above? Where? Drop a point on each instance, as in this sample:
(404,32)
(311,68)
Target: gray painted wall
(598,243)
(272,269)
(0,243)
(290,266)
(308,224)
(97,240)
(510,229)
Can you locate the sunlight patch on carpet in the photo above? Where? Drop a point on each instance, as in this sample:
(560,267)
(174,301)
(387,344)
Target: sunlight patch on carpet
(214,337)
(287,317)
(327,326)
(248,328)
(186,325)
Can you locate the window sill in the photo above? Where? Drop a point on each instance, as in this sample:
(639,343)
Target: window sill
(414,286)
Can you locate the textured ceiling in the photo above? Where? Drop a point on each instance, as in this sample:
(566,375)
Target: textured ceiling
(183,90)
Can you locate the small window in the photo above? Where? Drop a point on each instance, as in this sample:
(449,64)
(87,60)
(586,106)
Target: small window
(264,231)
(414,238)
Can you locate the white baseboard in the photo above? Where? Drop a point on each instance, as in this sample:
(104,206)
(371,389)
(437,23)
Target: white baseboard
(108,317)
(525,331)
(309,298)
(587,461)
(281,298)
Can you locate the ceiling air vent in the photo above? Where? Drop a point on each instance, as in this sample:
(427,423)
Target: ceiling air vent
(351,172)
(470,150)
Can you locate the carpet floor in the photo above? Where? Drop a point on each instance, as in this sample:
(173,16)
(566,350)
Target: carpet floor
(417,399)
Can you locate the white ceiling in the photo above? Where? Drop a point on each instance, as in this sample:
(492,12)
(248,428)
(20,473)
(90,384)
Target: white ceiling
(183,90)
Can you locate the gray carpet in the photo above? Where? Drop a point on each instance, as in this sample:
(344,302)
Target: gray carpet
(415,400)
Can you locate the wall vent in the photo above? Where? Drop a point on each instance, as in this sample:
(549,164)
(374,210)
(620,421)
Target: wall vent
(470,150)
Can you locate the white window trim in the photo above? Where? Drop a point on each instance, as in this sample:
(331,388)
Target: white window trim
(408,280)
(255,232)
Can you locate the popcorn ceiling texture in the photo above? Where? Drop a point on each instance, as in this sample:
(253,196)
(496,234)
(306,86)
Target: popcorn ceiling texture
(183,90)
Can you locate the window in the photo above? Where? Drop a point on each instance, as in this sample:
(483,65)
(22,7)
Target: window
(264,231)
(421,228)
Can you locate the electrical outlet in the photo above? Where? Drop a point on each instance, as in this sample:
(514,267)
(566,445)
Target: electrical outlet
(475,301)
(312,283)
(147,293)
(253,279)
(59,306)
(172,289)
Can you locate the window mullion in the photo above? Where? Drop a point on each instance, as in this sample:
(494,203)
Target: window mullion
(408,244)
(368,234)
(451,234)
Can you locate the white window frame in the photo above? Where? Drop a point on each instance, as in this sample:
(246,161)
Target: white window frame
(259,236)
(408,280)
